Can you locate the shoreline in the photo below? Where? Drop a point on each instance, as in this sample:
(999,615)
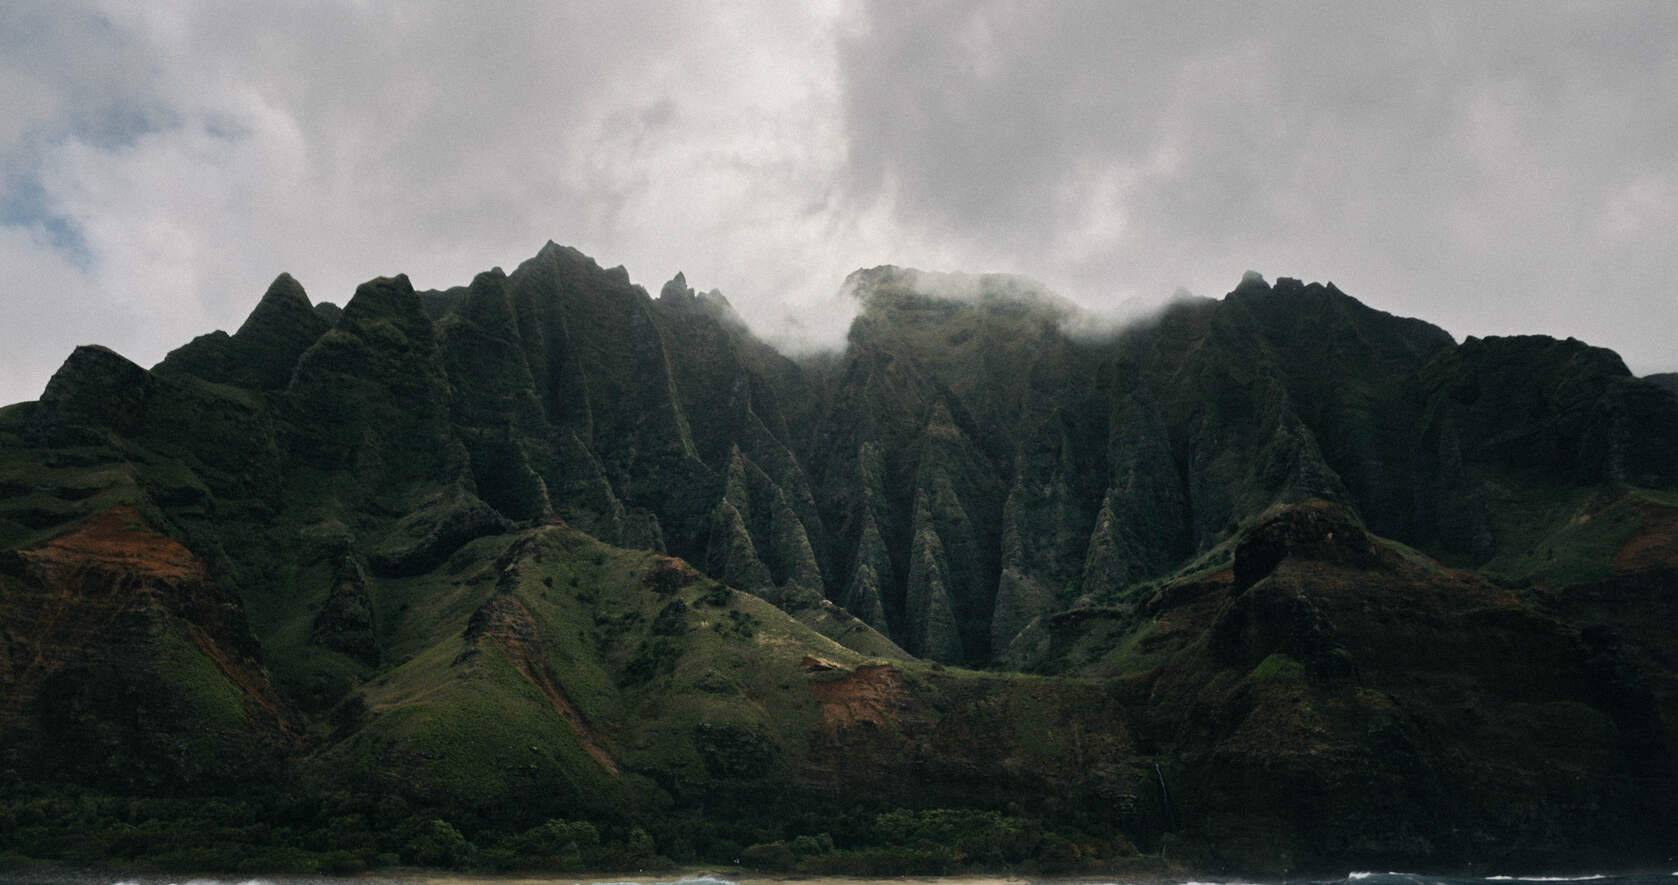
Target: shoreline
(737,878)
(732,876)
(759,878)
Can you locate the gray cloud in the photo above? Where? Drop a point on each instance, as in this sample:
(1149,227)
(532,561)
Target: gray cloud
(1495,168)
(1474,164)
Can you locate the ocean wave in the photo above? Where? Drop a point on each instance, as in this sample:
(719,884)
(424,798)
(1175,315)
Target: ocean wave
(196,882)
(1590,878)
(690,880)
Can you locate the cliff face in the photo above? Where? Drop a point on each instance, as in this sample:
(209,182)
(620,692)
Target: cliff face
(1065,471)
(1316,565)
(125,668)
(963,468)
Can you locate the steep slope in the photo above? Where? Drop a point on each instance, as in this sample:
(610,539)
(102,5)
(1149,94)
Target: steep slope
(125,668)
(1080,468)
(266,348)
(546,546)
(1348,684)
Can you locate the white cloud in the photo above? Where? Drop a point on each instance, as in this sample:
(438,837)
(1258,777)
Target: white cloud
(1437,161)
(37,306)
(1490,171)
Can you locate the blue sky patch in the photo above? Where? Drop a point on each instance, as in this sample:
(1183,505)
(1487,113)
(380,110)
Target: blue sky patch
(24,203)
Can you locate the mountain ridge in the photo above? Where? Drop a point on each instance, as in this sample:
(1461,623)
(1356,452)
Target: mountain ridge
(501,521)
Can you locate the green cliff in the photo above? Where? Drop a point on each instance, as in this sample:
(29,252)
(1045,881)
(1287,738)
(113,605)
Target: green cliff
(1275,582)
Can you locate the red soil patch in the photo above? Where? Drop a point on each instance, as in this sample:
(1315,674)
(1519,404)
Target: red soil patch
(78,584)
(873,694)
(118,541)
(511,627)
(1654,546)
(667,574)
(252,683)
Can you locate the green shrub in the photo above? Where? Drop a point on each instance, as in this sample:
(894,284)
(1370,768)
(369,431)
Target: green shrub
(342,863)
(436,843)
(771,856)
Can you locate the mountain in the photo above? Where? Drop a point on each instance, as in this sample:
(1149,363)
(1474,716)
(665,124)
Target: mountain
(1278,581)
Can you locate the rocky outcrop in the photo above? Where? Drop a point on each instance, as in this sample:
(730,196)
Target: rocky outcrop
(345,623)
(425,539)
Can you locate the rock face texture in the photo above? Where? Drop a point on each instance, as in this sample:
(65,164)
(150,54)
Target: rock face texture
(964,467)
(126,668)
(1315,565)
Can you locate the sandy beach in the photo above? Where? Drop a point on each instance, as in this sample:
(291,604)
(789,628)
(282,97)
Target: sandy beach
(737,878)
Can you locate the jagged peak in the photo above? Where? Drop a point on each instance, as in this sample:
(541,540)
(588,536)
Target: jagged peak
(553,254)
(676,290)
(283,305)
(90,356)
(557,257)
(491,280)
(487,304)
(1252,281)
(286,287)
(1291,296)
(383,295)
(1577,355)
(95,386)
(552,250)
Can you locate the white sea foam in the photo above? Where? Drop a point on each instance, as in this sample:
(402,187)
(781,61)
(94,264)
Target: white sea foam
(1589,878)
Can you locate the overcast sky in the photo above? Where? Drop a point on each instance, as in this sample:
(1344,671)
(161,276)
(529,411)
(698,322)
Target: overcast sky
(1493,168)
